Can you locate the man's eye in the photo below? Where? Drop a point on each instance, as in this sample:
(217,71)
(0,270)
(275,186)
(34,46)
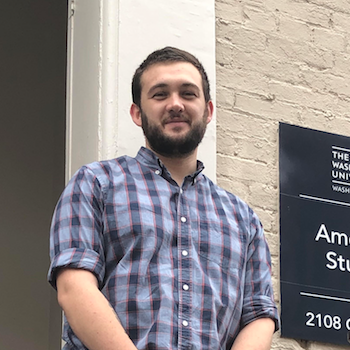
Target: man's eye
(189,94)
(159,95)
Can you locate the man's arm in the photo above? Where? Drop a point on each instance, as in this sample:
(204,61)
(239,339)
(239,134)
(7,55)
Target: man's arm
(256,335)
(259,313)
(88,312)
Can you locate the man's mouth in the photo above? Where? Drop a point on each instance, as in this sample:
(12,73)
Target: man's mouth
(176,120)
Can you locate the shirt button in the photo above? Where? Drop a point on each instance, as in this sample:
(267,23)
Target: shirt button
(185,287)
(185,323)
(157,172)
(184,252)
(183,219)
(181,191)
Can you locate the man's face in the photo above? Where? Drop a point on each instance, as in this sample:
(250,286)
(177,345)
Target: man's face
(173,113)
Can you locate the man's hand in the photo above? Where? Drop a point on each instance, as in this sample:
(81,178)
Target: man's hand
(88,312)
(257,335)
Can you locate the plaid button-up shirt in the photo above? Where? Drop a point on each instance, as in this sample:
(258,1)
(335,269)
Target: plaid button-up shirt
(183,268)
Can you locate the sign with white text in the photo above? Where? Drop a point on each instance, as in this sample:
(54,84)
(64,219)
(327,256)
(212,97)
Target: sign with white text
(315,235)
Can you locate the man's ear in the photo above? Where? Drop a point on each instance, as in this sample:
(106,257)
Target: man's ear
(210,108)
(135,113)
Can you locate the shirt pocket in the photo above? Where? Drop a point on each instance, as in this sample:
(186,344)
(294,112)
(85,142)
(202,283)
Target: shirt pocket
(221,245)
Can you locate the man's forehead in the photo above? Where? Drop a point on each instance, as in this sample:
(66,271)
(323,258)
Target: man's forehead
(158,73)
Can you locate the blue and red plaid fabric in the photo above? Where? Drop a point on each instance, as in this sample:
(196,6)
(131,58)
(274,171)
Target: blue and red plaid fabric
(184,268)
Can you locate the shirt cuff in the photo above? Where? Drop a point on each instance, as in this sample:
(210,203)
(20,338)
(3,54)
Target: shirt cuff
(262,307)
(77,258)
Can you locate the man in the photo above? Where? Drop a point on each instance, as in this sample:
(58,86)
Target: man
(148,253)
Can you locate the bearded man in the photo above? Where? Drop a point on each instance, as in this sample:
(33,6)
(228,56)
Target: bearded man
(147,252)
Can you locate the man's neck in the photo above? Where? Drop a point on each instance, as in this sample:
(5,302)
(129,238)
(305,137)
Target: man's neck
(179,168)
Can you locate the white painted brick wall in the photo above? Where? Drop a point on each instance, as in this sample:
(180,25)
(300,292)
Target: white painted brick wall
(277,60)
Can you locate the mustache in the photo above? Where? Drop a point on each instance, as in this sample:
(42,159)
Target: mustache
(178,117)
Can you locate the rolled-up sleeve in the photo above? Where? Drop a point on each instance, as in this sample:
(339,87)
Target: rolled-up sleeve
(258,299)
(76,236)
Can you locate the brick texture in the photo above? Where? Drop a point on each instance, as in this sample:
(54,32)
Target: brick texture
(277,61)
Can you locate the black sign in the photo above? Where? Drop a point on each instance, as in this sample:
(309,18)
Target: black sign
(315,235)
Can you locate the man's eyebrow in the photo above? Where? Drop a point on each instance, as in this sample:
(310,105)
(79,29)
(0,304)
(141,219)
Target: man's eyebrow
(157,86)
(164,85)
(191,85)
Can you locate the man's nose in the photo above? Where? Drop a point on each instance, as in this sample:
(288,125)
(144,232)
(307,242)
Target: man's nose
(175,103)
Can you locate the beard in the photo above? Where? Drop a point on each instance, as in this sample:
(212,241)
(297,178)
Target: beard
(174,147)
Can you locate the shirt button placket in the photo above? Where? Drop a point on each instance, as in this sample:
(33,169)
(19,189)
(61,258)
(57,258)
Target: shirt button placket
(185,276)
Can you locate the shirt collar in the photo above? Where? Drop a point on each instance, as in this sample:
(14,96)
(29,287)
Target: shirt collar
(147,157)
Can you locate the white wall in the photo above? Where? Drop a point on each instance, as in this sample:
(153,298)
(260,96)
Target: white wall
(83,87)
(109,39)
